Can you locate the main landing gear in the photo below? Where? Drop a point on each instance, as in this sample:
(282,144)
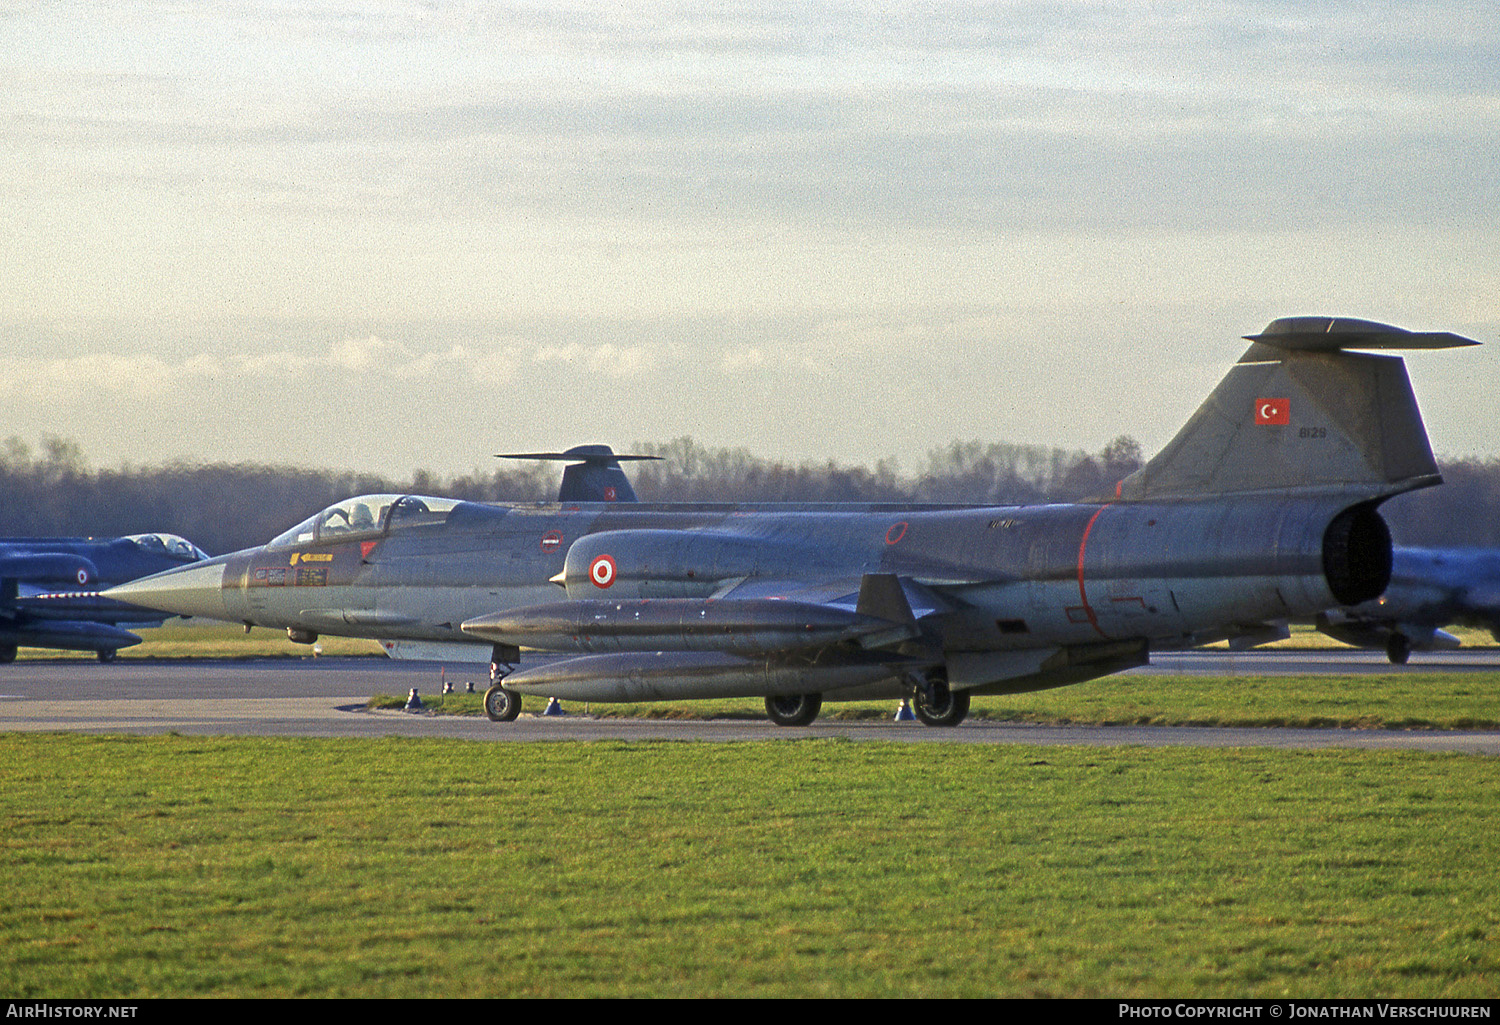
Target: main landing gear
(793,709)
(1398,649)
(935,704)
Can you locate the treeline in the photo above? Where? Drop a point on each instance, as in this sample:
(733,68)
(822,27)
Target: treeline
(968,472)
(223,507)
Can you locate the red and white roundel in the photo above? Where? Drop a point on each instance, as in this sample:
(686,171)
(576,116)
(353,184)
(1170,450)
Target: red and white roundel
(602,571)
(83,576)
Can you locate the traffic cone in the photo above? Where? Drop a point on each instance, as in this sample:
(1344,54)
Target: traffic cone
(413,703)
(904,713)
(554,707)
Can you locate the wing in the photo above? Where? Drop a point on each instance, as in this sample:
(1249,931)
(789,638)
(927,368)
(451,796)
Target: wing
(751,638)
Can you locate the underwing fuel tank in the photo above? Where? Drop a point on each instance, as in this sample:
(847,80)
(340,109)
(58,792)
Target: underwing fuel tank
(675,675)
(687,624)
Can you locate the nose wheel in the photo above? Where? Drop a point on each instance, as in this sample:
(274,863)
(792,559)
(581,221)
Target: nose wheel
(501,705)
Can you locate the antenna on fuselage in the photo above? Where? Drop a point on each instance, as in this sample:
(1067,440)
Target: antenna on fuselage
(595,475)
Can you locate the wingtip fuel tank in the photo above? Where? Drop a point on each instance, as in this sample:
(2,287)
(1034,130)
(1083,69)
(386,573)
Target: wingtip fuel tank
(697,675)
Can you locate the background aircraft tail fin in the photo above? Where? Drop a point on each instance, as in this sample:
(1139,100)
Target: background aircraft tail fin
(595,475)
(1298,411)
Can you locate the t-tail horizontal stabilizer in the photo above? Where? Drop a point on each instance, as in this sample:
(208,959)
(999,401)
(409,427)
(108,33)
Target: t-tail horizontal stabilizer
(1301,412)
(595,475)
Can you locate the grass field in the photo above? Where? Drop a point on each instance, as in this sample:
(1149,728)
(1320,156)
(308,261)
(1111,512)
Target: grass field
(175,866)
(172,866)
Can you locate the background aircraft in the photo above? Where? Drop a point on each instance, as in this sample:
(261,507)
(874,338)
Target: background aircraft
(593,473)
(1262,508)
(1430,588)
(49,590)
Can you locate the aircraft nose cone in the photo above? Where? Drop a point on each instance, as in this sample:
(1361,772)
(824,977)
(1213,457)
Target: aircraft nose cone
(196,590)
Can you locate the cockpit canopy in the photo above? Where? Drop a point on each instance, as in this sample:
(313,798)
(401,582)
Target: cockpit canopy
(168,544)
(366,516)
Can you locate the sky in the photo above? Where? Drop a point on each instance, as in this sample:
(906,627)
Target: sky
(394,235)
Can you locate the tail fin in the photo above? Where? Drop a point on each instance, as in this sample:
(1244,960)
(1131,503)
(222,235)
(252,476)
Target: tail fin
(595,475)
(1300,412)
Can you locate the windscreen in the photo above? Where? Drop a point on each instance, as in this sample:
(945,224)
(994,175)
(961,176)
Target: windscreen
(366,515)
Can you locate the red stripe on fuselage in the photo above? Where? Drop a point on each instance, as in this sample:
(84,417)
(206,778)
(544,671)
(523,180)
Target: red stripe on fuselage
(1083,544)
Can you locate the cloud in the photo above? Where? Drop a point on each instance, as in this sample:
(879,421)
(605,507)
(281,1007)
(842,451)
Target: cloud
(74,381)
(149,376)
(1009,117)
(348,204)
(608,359)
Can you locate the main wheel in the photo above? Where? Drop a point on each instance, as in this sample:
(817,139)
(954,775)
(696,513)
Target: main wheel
(501,705)
(1398,649)
(945,707)
(7,653)
(106,654)
(793,709)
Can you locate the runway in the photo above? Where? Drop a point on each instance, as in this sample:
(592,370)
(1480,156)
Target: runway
(326,697)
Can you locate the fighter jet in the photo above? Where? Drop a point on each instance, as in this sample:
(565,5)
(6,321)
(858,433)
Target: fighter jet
(1430,588)
(1262,508)
(49,590)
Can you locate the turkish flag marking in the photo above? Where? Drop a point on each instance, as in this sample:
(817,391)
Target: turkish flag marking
(1273,411)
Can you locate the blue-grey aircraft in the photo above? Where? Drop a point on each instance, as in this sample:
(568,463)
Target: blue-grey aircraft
(1262,508)
(1430,588)
(49,590)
